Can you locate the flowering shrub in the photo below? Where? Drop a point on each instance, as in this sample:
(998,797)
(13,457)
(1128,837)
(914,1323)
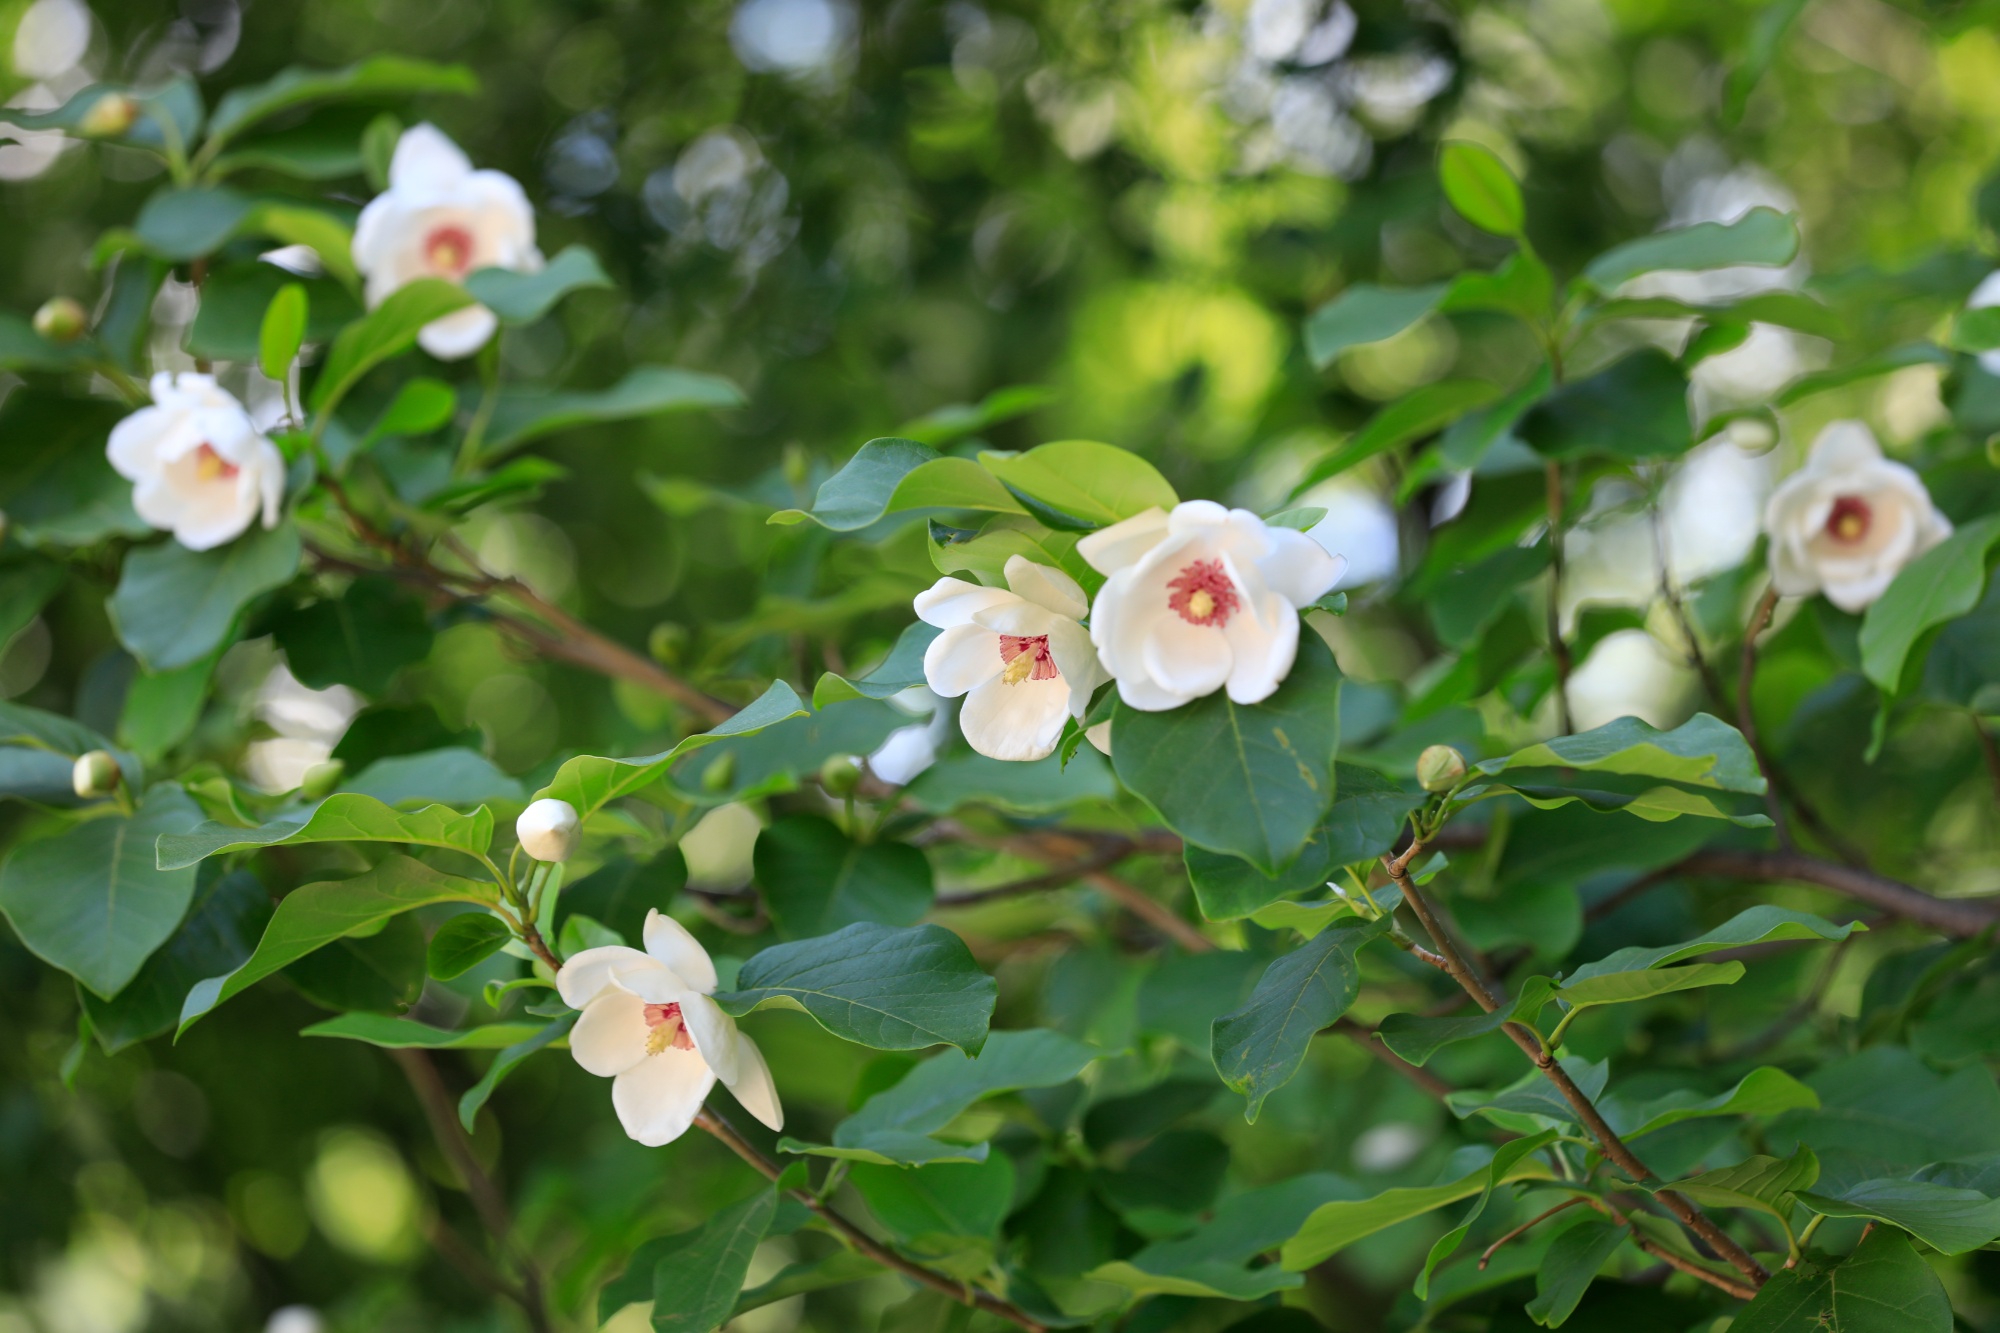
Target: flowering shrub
(1221,973)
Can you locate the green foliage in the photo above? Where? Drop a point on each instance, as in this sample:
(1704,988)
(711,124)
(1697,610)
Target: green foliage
(347,817)
(1259,1047)
(1481,188)
(174,607)
(1882,1287)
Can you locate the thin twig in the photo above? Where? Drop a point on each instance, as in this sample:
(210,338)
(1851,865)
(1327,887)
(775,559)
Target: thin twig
(1370,1041)
(1746,712)
(1742,1291)
(1532,1046)
(1150,910)
(1110,856)
(1989,749)
(1486,1257)
(964,1293)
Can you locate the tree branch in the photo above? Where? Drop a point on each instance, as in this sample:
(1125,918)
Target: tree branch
(1366,1038)
(964,1293)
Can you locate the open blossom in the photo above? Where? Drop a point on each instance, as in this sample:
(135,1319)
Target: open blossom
(441,219)
(1204,598)
(197,464)
(1017,654)
(1848,521)
(649,1025)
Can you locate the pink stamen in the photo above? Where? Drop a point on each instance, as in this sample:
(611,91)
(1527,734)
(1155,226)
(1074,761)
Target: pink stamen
(667,1028)
(1035,648)
(1203,595)
(1850,519)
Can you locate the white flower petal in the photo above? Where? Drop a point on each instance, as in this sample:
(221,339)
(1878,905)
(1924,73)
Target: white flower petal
(714,1034)
(658,1098)
(753,1086)
(1263,647)
(459,334)
(611,1035)
(1047,587)
(962,658)
(951,602)
(1190,660)
(425,157)
(1022,721)
(1298,568)
(585,975)
(669,941)
(1124,543)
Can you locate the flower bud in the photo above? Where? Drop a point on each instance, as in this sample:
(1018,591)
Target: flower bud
(720,773)
(1439,768)
(549,829)
(109,116)
(667,642)
(62,319)
(322,778)
(95,775)
(840,775)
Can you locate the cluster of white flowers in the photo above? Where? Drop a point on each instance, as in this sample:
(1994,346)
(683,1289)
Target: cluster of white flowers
(1194,601)
(200,467)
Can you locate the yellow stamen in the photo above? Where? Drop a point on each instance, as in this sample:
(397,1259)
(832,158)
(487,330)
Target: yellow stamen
(1019,669)
(1201,604)
(208,465)
(660,1038)
(1849,527)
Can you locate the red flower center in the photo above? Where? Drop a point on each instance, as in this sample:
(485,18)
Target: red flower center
(448,251)
(1203,595)
(1850,519)
(1027,658)
(667,1028)
(211,466)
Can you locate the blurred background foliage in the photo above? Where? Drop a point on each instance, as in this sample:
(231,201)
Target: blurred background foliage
(872,217)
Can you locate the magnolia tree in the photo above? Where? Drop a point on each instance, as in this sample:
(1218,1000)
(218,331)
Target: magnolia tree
(1251,887)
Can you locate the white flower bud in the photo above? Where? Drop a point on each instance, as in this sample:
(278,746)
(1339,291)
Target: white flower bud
(95,775)
(1439,768)
(549,829)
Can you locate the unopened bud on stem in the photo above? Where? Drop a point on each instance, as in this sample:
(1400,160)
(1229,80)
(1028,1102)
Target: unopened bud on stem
(549,829)
(840,775)
(1439,768)
(95,775)
(62,319)
(108,117)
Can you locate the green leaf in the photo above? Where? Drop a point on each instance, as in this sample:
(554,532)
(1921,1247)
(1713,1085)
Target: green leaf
(1365,313)
(173,108)
(1421,412)
(523,298)
(1504,1159)
(1883,1287)
(835,1270)
(174,607)
(589,782)
(31,733)
(1702,752)
(21,348)
(316,151)
(284,329)
(1760,1092)
(162,708)
(1097,483)
(343,817)
(463,943)
(947,1214)
(1481,188)
(360,638)
(816,879)
(404,1033)
(1332,1227)
(420,406)
(189,224)
(1949,1220)
(893,990)
(695,1286)
(220,929)
(984,554)
(452,776)
(959,420)
(1755,925)
(1886,1106)
(1417,1038)
(89,899)
(371,79)
(1976,330)
(902,669)
(1626,987)
(522,414)
(1531,1103)
(1791,310)
(1767,1184)
(1634,409)
(506,1063)
(1940,585)
(59,488)
(1471,598)
(1259,1047)
(1763,236)
(1570,1266)
(316,915)
(389,330)
(1867,367)
(1208,1261)
(893,476)
(229,323)
(331,237)
(1251,780)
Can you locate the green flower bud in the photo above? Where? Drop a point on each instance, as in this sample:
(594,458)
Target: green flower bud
(62,319)
(1439,768)
(108,117)
(95,775)
(840,775)
(720,773)
(321,779)
(667,642)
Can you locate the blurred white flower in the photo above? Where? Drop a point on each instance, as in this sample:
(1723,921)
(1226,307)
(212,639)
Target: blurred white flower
(51,38)
(32,152)
(1018,654)
(1360,526)
(1987,293)
(1388,1147)
(718,848)
(295,1319)
(1848,521)
(649,1025)
(795,37)
(198,464)
(1298,32)
(309,724)
(1201,599)
(300,259)
(441,219)
(1629,674)
(721,191)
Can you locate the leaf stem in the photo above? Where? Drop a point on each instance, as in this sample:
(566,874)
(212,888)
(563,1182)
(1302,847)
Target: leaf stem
(861,1240)
(1486,1257)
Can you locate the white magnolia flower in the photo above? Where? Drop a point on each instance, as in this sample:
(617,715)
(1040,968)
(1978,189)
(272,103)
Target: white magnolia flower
(649,1025)
(1021,658)
(197,464)
(1848,521)
(1987,293)
(1202,599)
(441,219)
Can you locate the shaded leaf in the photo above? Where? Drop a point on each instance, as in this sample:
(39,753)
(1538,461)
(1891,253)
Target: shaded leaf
(1332,1227)
(174,607)
(816,879)
(1883,1287)
(1942,584)
(219,931)
(1763,236)
(523,414)
(404,1033)
(343,817)
(1636,408)
(463,943)
(523,298)
(1259,1047)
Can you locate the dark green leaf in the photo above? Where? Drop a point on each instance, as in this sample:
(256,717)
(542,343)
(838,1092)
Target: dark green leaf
(368,80)
(524,414)
(90,900)
(1949,1220)
(162,708)
(1767,1184)
(344,817)
(59,489)
(175,607)
(1762,236)
(1209,1260)
(1252,780)
(463,943)
(1365,313)
(1761,1092)
(1259,1047)
(454,776)
(1702,752)
(523,298)
(229,324)
(1570,1266)
(902,669)
(389,330)
(506,1063)
(188,224)
(1417,1038)
(1332,1227)
(380,973)
(892,476)
(1421,412)
(695,1286)
(1883,1287)
(1481,188)
(1504,1159)
(360,638)
(1636,408)
(1755,925)
(816,879)
(946,1213)
(420,406)
(1940,585)
(220,929)
(894,990)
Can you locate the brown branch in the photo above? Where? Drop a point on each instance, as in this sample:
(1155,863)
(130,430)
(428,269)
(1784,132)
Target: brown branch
(1150,910)
(1962,917)
(1110,856)
(964,1293)
(1989,750)
(1558,646)
(1486,1257)
(1368,1040)
(1532,1046)
(487,1199)
(1746,712)
(1742,1291)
